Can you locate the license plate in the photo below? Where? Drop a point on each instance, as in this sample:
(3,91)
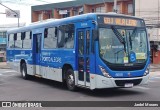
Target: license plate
(128,85)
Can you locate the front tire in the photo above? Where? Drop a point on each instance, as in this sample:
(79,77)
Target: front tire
(70,80)
(24,71)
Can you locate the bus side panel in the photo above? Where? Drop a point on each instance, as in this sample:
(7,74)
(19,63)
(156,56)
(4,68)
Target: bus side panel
(10,58)
(52,62)
(23,55)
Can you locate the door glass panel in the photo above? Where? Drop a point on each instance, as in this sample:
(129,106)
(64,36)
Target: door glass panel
(81,69)
(87,42)
(81,43)
(87,69)
(87,53)
(38,43)
(83,56)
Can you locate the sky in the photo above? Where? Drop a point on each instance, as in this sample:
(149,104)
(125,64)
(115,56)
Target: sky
(25,9)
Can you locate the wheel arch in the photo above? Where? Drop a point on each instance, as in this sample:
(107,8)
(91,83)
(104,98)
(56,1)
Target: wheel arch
(64,69)
(21,62)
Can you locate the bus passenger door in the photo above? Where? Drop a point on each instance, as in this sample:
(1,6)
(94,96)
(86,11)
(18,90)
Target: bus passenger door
(84,57)
(37,52)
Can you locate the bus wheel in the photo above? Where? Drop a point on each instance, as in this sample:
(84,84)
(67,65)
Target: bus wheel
(70,80)
(24,71)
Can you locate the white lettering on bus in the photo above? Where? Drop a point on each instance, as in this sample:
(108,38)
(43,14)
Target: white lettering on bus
(84,24)
(52,59)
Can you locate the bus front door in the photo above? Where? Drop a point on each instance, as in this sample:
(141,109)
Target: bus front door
(37,52)
(84,57)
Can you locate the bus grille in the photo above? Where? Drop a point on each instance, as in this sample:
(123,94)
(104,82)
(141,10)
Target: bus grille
(123,82)
(122,67)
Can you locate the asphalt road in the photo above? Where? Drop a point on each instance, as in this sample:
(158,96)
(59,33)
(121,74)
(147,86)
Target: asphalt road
(14,88)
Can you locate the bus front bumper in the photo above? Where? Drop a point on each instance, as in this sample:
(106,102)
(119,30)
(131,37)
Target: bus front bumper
(99,82)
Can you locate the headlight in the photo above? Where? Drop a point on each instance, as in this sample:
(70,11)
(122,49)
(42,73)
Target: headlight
(105,73)
(147,70)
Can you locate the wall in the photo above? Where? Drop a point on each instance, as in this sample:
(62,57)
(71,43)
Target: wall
(156,57)
(147,9)
(87,9)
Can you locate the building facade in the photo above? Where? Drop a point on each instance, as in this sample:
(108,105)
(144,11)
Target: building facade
(72,8)
(149,10)
(2,45)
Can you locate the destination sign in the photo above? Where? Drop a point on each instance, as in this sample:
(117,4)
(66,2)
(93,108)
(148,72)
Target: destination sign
(122,21)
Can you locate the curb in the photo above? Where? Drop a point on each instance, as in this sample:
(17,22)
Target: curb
(5,68)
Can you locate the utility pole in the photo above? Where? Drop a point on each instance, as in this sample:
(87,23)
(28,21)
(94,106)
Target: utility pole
(115,6)
(158,13)
(12,11)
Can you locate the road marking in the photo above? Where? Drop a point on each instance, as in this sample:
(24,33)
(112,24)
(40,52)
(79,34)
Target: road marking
(156,77)
(141,87)
(10,71)
(8,74)
(152,81)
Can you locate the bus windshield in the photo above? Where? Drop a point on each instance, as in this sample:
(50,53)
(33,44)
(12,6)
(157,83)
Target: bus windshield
(123,45)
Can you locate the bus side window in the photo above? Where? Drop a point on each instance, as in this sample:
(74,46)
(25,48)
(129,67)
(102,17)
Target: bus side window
(61,36)
(30,35)
(11,41)
(66,36)
(69,36)
(8,41)
(18,41)
(46,33)
(27,40)
(22,37)
(15,40)
(50,38)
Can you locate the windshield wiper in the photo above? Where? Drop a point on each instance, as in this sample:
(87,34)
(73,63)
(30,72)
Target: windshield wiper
(119,36)
(130,40)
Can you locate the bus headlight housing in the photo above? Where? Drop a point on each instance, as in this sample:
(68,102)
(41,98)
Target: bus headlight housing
(147,71)
(105,73)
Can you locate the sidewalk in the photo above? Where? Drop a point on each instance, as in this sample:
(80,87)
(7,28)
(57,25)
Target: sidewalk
(3,65)
(155,66)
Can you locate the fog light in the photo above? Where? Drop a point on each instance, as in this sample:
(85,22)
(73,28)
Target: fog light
(105,73)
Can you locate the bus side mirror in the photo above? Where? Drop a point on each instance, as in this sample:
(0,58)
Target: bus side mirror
(94,37)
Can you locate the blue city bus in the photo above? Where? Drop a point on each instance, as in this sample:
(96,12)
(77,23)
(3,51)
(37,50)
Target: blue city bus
(92,51)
